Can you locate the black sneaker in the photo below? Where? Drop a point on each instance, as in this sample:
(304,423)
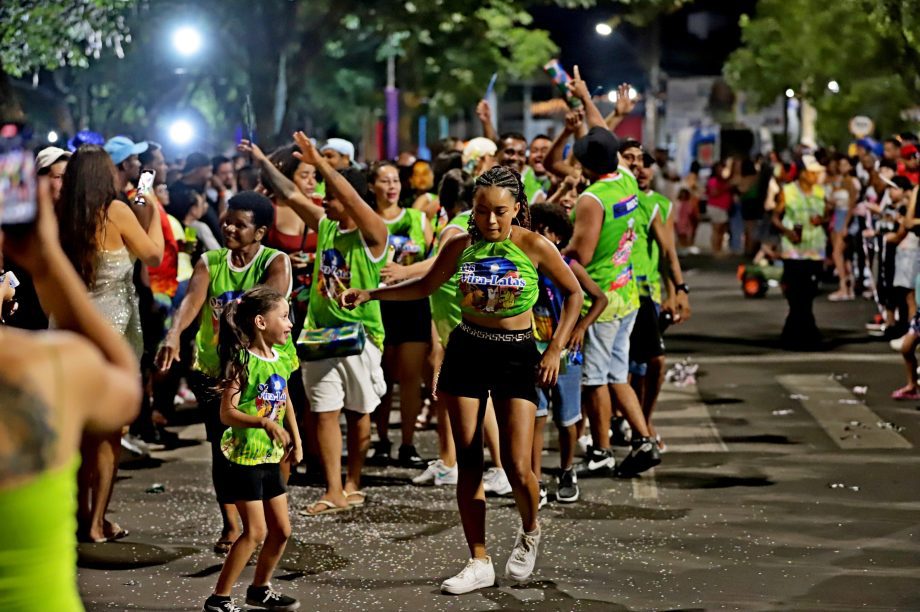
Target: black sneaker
(644,455)
(567,487)
(216,603)
(598,462)
(409,458)
(380,453)
(622,432)
(264,597)
(544,497)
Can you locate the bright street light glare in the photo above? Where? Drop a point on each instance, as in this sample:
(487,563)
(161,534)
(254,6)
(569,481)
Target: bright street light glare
(187,40)
(833,86)
(612,96)
(52,136)
(603,29)
(181,132)
(790,93)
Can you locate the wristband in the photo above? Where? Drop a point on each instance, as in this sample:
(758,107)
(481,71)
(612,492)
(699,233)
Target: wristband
(682,287)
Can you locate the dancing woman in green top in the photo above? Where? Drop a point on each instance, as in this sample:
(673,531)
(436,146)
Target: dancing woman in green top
(54,385)
(492,352)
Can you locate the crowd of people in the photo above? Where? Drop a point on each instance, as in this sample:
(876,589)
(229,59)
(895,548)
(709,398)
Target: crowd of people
(499,284)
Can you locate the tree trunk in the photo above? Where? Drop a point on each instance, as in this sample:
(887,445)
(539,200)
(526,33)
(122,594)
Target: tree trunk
(10,105)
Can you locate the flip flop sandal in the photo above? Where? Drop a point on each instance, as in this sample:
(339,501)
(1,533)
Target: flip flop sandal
(85,539)
(323,506)
(356,498)
(118,535)
(222,547)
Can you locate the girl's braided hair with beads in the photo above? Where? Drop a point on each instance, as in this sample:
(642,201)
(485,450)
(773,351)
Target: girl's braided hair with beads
(500,176)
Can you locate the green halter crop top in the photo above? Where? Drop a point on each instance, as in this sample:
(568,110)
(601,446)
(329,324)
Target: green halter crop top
(496,279)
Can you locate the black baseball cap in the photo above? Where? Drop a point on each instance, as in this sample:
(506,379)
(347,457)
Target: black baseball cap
(597,150)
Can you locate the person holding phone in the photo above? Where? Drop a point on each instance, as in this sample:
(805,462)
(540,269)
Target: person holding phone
(102,238)
(55,386)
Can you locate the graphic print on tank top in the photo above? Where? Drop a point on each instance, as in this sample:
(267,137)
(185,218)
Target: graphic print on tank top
(272,397)
(490,285)
(217,304)
(622,255)
(404,250)
(334,274)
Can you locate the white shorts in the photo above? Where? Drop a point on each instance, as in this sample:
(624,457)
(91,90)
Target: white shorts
(717,216)
(354,383)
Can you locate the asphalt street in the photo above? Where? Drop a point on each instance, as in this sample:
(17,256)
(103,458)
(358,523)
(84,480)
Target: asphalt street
(783,489)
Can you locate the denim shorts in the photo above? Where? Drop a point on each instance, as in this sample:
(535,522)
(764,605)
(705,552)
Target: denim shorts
(564,396)
(606,352)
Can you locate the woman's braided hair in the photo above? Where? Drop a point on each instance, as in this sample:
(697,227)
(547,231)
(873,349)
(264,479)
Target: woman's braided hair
(500,176)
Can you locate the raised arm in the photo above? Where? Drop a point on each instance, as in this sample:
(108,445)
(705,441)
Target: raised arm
(554,161)
(624,106)
(284,188)
(444,266)
(579,89)
(147,245)
(102,362)
(369,223)
(484,112)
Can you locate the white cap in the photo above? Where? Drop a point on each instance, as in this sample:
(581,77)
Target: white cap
(476,148)
(49,156)
(341,146)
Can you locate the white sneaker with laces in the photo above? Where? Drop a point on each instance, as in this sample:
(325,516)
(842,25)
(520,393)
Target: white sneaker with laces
(496,482)
(478,574)
(437,474)
(523,556)
(584,442)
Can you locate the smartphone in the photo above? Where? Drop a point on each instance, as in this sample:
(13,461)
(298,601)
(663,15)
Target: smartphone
(14,282)
(17,179)
(144,187)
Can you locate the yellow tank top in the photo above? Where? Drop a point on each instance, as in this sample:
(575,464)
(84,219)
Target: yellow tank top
(38,543)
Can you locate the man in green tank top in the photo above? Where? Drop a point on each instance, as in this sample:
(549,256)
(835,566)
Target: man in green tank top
(655,235)
(604,235)
(350,252)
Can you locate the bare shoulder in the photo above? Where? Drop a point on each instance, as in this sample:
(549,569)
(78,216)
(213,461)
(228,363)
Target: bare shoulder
(535,245)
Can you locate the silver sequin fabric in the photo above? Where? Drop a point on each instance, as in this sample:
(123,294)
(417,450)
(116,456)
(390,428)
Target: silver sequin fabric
(115,296)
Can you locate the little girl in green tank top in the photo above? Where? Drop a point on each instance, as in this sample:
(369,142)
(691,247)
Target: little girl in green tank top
(256,408)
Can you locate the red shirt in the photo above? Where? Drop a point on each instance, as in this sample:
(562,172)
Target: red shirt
(163,277)
(719,193)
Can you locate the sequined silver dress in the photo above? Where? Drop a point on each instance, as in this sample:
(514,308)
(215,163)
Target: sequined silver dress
(115,296)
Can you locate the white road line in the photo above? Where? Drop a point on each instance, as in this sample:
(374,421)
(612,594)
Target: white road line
(850,425)
(645,487)
(683,422)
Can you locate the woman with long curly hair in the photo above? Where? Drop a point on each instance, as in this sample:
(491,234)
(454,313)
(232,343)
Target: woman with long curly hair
(102,238)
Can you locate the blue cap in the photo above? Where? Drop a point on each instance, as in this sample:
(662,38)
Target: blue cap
(85,137)
(121,148)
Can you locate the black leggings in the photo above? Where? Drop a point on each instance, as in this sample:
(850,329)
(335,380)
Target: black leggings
(209,404)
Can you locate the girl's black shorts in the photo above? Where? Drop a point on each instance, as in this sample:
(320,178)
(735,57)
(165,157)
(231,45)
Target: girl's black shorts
(480,361)
(251,482)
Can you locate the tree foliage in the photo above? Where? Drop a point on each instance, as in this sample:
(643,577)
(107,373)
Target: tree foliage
(805,44)
(36,34)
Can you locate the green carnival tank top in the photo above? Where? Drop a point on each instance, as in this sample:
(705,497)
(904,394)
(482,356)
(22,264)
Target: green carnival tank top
(610,266)
(645,250)
(406,242)
(496,279)
(343,261)
(534,184)
(227,283)
(265,395)
(38,543)
(445,305)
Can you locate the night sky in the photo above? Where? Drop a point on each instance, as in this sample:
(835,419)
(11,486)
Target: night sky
(607,61)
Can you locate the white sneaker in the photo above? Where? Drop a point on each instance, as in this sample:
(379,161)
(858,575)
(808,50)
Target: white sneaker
(496,482)
(523,556)
(478,574)
(437,474)
(135,445)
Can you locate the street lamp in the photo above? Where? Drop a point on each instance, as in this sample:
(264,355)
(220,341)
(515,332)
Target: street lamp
(52,137)
(603,28)
(187,40)
(181,132)
(612,95)
(790,93)
(833,86)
